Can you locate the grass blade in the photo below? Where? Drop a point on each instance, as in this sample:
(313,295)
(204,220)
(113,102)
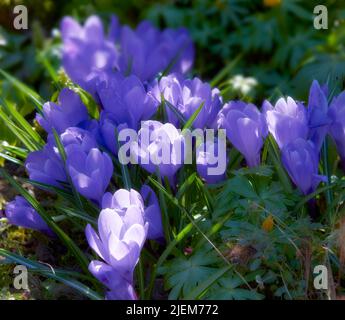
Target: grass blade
(58,275)
(191,120)
(70,244)
(21,121)
(34,96)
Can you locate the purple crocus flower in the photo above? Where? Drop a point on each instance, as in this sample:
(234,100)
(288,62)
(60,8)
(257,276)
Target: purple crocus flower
(207,158)
(88,55)
(90,171)
(187,96)
(287,121)
(300,159)
(245,128)
(318,119)
(159,146)
(127,100)
(121,236)
(145,200)
(121,200)
(93,127)
(68,112)
(20,213)
(336,114)
(109,129)
(119,287)
(146,51)
(152,213)
(74,135)
(45,166)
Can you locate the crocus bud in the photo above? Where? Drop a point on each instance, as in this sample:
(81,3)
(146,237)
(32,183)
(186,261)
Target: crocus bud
(318,119)
(90,171)
(300,159)
(87,55)
(152,213)
(68,112)
(337,127)
(20,213)
(45,166)
(245,128)
(287,121)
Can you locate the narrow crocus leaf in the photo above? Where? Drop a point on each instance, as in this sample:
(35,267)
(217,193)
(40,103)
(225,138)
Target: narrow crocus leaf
(18,132)
(177,113)
(64,157)
(21,122)
(70,244)
(23,88)
(191,120)
(10,158)
(59,275)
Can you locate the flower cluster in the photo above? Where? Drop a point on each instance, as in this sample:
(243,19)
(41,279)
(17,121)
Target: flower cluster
(299,133)
(135,76)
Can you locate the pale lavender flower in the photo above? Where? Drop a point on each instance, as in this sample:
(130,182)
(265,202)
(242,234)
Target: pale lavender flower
(159,146)
(245,128)
(187,96)
(121,236)
(287,121)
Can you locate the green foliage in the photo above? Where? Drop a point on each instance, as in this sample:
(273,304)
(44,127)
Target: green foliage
(185,273)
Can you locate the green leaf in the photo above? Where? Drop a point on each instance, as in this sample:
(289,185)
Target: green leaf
(226,71)
(12,159)
(62,153)
(177,112)
(75,250)
(242,186)
(194,294)
(34,96)
(21,122)
(56,274)
(191,120)
(17,151)
(89,102)
(184,274)
(228,288)
(18,132)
